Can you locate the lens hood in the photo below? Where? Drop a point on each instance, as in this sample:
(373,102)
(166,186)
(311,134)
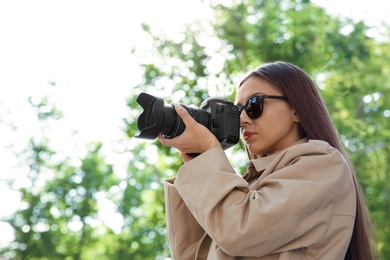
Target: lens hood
(151,119)
(157,118)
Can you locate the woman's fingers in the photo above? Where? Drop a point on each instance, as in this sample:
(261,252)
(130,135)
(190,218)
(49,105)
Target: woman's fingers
(184,115)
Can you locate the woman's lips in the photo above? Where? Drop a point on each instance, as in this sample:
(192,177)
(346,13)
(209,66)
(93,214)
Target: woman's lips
(248,135)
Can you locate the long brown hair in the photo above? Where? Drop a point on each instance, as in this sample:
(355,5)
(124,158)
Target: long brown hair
(315,123)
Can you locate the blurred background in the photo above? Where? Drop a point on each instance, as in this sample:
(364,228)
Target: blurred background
(75,184)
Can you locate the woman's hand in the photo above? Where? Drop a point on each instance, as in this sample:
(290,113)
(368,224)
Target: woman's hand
(196,138)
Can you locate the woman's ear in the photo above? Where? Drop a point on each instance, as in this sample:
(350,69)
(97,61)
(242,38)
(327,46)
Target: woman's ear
(296,117)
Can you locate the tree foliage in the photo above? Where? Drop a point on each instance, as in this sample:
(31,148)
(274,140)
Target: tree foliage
(60,216)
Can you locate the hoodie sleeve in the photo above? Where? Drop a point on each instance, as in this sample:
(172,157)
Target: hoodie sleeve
(183,231)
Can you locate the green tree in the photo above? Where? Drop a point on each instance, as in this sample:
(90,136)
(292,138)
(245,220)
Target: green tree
(59,217)
(60,201)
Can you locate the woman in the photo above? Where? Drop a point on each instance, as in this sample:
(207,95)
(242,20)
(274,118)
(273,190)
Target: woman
(299,198)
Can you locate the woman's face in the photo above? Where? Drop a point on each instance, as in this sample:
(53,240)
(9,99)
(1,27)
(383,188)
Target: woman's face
(276,128)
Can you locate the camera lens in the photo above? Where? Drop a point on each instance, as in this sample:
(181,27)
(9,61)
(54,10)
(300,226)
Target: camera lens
(158,118)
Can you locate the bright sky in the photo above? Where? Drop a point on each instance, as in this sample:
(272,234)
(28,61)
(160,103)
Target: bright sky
(85,47)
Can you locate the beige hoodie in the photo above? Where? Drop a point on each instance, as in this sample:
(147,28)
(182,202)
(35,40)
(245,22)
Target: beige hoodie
(302,206)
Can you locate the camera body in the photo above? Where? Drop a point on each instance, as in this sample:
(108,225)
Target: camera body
(218,115)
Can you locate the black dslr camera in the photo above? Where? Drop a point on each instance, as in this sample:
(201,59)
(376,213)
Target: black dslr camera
(218,115)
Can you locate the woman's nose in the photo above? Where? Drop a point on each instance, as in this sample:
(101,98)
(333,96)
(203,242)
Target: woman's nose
(244,119)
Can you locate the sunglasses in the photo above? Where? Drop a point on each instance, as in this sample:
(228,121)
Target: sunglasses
(254,105)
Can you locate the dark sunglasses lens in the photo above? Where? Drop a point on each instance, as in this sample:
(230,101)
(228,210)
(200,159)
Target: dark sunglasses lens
(254,107)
